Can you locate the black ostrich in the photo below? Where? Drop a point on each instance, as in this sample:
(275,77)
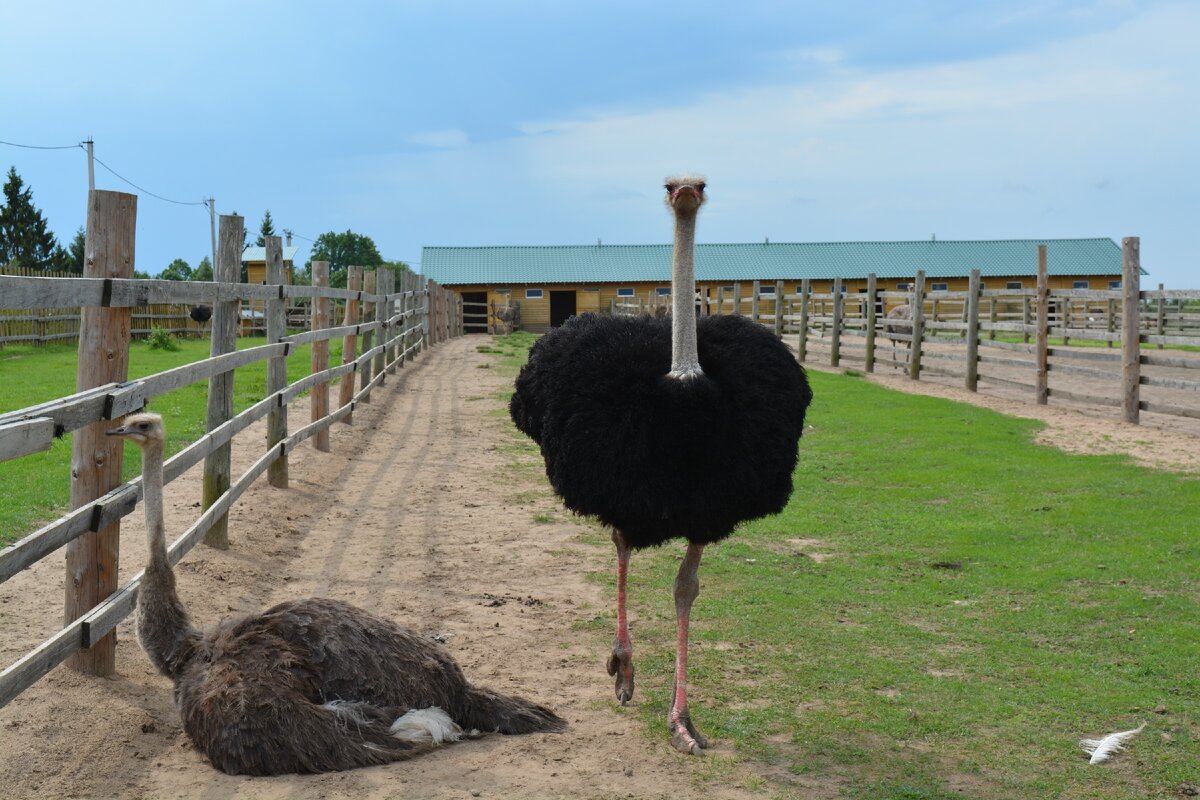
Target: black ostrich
(663,429)
(201,314)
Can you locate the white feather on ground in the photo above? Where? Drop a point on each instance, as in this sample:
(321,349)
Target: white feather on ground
(426,725)
(1102,750)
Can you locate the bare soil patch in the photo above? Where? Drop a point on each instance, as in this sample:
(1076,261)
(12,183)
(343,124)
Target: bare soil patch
(416,515)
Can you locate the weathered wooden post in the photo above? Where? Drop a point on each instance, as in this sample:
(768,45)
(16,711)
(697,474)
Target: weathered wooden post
(392,325)
(972,331)
(992,318)
(755,295)
(835,344)
(321,319)
(872,297)
(368,338)
(720,300)
(780,308)
(423,310)
(917,332)
(381,316)
(1026,317)
(1065,305)
(1043,328)
(1161,326)
(1110,316)
(217,466)
(277,427)
(802,343)
(95,458)
(737,298)
(1131,369)
(354,277)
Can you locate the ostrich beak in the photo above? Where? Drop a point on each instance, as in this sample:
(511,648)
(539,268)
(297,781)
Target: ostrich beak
(120,431)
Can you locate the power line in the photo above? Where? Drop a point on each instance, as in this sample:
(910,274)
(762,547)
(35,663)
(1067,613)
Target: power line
(147,191)
(40,147)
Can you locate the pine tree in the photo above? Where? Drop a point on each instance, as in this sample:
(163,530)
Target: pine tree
(25,238)
(267,228)
(76,249)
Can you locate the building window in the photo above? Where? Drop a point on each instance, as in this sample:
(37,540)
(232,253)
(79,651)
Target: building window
(903,287)
(1114,284)
(939,286)
(534,294)
(1079,285)
(625,291)
(767,289)
(983,284)
(504,290)
(1014,285)
(662,291)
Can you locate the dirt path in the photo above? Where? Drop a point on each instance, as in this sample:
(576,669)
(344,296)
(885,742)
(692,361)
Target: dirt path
(425,521)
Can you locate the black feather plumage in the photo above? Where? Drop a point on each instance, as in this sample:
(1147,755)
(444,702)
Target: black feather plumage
(654,457)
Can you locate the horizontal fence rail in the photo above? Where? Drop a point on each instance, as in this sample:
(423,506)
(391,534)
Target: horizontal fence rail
(411,314)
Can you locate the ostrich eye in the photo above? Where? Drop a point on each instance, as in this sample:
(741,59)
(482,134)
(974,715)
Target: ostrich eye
(144,426)
(668,187)
(700,186)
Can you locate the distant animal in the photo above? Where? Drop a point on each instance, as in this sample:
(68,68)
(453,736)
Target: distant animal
(310,685)
(201,313)
(665,429)
(899,313)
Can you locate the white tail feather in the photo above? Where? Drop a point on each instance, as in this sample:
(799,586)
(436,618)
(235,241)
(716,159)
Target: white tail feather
(426,725)
(1102,750)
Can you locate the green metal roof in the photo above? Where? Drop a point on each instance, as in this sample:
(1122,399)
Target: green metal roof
(767,261)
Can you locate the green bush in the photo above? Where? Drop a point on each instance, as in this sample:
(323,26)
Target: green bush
(161,339)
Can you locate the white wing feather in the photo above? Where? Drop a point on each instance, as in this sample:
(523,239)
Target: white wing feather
(1102,750)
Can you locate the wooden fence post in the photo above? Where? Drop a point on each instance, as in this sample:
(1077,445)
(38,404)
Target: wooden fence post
(802,343)
(1131,369)
(1160,326)
(422,298)
(993,317)
(1043,328)
(277,427)
(95,458)
(872,297)
(1026,317)
(321,319)
(737,299)
(354,277)
(917,331)
(973,331)
(368,339)
(755,299)
(780,308)
(720,300)
(381,316)
(217,464)
(835,344)
(392,326)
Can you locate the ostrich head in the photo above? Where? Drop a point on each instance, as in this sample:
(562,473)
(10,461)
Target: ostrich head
(142,429)
(685,193)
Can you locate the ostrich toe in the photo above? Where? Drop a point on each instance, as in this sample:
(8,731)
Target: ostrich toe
(684,736)
(620,665)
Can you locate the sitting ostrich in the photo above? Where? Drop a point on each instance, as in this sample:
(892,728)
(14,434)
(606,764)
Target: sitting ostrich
(899,313)
(310,685)
(663,429)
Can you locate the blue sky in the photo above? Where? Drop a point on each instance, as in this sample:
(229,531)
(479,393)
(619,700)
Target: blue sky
(475,123)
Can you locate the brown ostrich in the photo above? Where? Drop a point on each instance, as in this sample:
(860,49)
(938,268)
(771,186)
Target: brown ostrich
(899,314)
(311,685)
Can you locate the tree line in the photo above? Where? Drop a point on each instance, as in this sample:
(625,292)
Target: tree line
(27,241)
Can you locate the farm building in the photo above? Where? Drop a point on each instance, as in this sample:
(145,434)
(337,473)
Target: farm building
(254,259)
(552,283)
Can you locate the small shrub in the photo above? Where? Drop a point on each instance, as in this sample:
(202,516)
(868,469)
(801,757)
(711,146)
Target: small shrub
(161,339)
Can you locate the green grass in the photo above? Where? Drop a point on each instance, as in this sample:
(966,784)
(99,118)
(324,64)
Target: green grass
(37,487)
(985,602)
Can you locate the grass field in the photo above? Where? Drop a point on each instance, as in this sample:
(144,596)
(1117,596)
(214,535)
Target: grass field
(942,611)
(37,487)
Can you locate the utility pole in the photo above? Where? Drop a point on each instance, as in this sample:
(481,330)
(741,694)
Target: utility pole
(212,227)
(91,164)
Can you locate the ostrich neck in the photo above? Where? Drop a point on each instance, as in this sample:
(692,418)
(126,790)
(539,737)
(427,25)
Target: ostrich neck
(164,628)
(685,360)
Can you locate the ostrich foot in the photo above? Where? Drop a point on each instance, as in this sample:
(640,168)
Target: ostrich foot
(620,664)
(684,736)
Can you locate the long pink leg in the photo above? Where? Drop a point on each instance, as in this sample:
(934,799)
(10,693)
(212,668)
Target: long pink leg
(684,736)
(620,663)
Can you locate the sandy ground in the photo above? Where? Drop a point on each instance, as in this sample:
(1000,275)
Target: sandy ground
(428,526)
(431,526)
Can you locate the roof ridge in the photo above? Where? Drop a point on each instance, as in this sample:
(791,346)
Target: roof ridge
(1028,240)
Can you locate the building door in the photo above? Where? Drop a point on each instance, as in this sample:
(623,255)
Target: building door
(475,312)
(562,307)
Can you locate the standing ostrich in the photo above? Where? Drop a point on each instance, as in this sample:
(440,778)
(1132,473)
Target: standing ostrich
(662,429)
(899,313)
(310,685)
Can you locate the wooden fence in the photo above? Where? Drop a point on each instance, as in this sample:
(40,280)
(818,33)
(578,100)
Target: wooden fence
(404,320)
(999,337)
